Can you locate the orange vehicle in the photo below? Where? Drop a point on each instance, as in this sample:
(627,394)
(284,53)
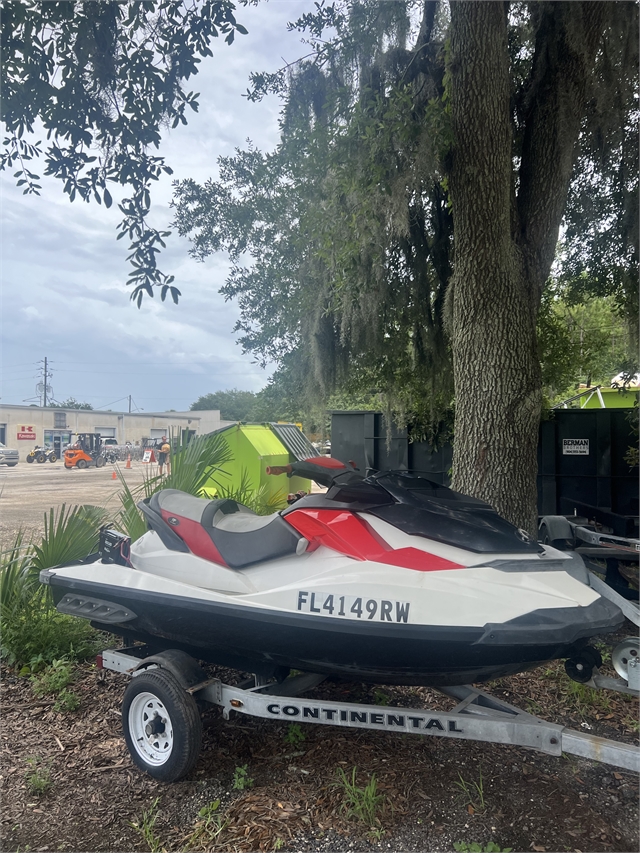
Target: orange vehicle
(87,451)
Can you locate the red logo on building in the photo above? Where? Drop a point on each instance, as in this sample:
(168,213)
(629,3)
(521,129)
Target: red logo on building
(26,433)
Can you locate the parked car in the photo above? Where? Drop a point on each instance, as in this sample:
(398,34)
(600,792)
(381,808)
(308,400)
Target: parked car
(8,456)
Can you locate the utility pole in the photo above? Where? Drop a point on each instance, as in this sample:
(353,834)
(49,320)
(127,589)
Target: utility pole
(43,389)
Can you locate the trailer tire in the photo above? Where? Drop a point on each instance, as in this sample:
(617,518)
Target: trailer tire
(162,726)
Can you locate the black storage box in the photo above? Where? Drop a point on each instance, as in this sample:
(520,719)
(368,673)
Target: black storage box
(114,547)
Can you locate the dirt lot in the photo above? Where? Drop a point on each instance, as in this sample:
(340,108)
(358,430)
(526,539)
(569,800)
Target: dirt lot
(435,792)
(28,491)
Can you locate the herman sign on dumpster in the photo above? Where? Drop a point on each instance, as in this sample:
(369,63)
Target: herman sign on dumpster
(575,446)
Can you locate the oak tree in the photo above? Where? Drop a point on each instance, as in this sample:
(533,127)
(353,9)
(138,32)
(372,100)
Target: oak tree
(405,229)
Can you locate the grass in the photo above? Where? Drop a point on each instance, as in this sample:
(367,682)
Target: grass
(363,804)
(380,697)
(472,793)
(53,679)
(294,735)
(38,777)
(241,779)
(210,825)
(146,826)
(586,699)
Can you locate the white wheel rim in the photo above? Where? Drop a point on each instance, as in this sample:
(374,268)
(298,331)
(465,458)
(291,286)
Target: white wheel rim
(625,651)
(147,714)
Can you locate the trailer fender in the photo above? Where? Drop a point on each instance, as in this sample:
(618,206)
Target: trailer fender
(576,567)
(556,531)
(182,666)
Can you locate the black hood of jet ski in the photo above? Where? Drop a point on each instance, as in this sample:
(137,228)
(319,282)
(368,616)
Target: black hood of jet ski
(421,507)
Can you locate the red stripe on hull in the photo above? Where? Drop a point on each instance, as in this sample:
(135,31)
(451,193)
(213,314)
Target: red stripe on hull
(347,534)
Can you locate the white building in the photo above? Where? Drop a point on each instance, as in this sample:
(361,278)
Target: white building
(23,427)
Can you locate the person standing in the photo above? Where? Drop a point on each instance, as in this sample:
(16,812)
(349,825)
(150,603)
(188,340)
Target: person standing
(164,455)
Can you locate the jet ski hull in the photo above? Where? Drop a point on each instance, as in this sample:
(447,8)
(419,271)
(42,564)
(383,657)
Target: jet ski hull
(264,640)
(390,579)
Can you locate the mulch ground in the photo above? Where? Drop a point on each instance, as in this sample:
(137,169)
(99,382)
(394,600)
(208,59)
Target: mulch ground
(97,800)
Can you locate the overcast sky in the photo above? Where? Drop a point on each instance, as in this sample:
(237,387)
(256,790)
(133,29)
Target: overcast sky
(64,274)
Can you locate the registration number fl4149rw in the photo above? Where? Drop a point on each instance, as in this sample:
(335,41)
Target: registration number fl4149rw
(353,607)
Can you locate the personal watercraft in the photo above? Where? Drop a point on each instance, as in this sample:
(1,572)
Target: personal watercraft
(389,578)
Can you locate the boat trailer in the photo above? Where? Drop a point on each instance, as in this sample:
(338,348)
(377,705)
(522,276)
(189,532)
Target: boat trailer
(163,730)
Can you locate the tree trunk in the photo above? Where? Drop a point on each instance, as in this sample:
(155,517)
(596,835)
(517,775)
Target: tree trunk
(495,358)
(505,241)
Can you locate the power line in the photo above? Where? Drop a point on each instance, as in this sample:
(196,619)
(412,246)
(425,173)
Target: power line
(164,372)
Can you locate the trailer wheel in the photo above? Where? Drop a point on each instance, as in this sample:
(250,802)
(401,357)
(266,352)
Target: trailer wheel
(81,463)
(162,726)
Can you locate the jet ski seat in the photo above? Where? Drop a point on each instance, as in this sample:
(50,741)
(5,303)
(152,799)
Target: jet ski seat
(222,531)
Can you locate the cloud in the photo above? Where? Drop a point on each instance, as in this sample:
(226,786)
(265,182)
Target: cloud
(64,292)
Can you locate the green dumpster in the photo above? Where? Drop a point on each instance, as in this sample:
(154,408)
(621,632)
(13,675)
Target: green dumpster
(253,448)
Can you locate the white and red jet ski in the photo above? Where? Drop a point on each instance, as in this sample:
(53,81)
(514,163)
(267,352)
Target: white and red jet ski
(389,578)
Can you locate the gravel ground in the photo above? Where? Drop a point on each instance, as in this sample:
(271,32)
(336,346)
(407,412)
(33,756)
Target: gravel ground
(96,800)
(28,491)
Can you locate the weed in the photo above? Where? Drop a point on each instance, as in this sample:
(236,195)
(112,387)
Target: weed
(472,793)
(53,680)
(38,777)
(631,723)
(604,649)
(490,847)
(534,707)
(241,779)
(278,844)
(146,827)
(208,828)
(294,735)
(361,803)
(586,699)
(380,697)
(67,701)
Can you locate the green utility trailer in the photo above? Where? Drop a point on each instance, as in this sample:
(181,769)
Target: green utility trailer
(254,447)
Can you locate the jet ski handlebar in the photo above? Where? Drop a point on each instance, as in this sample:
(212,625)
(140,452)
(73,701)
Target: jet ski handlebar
(279,469)
(323,469)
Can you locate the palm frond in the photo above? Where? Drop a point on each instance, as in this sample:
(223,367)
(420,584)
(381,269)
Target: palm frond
(192,466)
(259,500)
(68,535)
(17,584)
